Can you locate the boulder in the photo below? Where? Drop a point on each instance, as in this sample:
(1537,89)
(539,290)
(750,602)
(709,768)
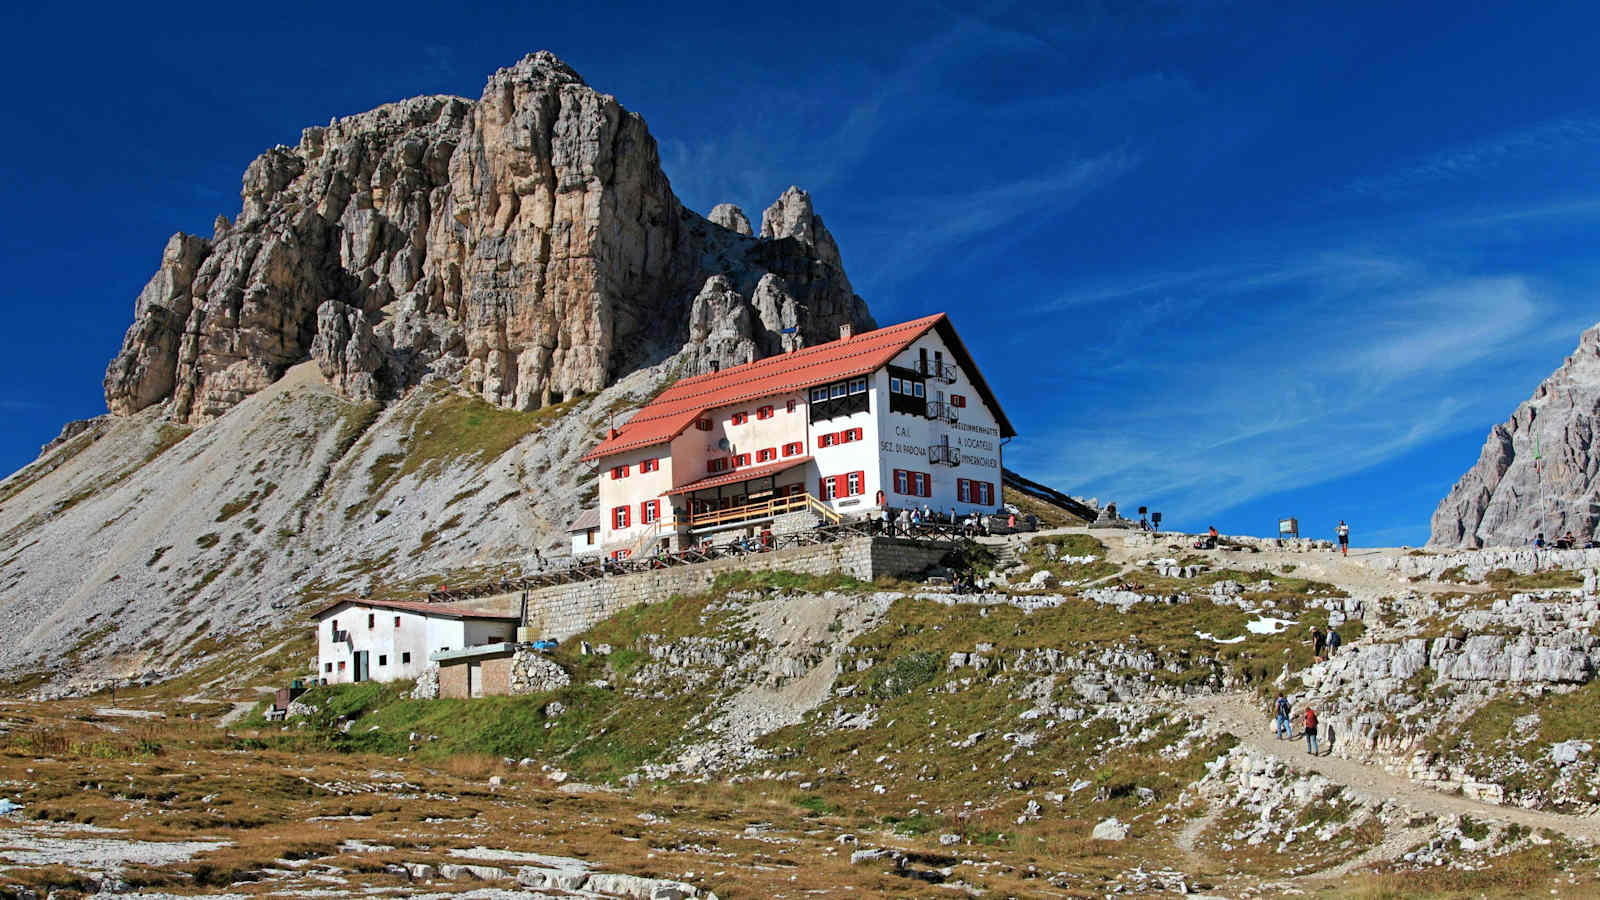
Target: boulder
(1110,830)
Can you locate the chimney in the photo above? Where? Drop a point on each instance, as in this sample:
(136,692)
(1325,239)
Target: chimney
(846,331)
(715,367)
(614,433)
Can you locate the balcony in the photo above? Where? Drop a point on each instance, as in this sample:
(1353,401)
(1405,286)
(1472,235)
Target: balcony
(766,509)
(942,411)
(935,372)
(943,455)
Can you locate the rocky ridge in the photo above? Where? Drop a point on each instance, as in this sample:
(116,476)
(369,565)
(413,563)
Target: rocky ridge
(1538,471)
(527,246)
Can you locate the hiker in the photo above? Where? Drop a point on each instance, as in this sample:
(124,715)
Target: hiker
(1311,730)
(1569,540)
(1538,541)
(1319,643)
(1281,707)
(1334,640)
(1344,538)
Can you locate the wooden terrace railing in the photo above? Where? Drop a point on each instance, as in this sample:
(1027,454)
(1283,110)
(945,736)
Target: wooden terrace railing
(766,509)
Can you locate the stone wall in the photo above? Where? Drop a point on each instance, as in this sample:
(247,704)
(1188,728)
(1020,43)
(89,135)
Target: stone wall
(564,610)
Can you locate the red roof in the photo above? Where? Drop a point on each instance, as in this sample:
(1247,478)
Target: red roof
(741,475)
(665,417)
(440,610)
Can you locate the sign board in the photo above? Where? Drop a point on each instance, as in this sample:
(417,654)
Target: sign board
(1288,528)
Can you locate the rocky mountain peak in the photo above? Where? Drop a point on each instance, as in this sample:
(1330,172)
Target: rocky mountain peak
(731,217)
(792,216)
(1539,471)
(526,246)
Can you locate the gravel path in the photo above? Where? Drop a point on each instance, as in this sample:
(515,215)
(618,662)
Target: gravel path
(1241,715)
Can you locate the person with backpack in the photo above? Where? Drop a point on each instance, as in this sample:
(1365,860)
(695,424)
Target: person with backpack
(1344,538)
(1311,730)
(1334,640)
(1319,643)
(1281,707)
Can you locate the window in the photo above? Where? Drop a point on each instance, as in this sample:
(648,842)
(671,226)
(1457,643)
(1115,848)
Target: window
(849,485)
(719,464)
(767,454)
(764,412)
(938,363)
(650,465)
(789,407)
(703,424)
(849,434)
(922,353)
(621,554)
(958,400)
(916,389)
(793,449)
(619,472)
(588,537)
(740,418)
(858,385)
(741,459)
(977,492)
(327,667)
(825,440)
(819,395)
(649,511)
(835,391)
(372,620)
(619,517)
(894,385)
(405,658)
(341,665)
(383,659)
(397,621)
(913,484)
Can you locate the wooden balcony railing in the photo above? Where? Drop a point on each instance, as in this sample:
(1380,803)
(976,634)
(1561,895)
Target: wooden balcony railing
(766,509)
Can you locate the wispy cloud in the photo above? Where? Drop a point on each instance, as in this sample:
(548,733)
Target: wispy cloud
(1361,359)
(1472,159)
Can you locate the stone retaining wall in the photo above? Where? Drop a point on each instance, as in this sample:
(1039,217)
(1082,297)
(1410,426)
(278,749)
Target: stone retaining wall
(564,610)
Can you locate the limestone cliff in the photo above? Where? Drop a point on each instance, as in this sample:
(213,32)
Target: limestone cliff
(384,371)
(1508,497)
(527,246)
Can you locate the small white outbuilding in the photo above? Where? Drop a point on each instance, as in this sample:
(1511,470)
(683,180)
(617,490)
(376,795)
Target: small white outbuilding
(390,640)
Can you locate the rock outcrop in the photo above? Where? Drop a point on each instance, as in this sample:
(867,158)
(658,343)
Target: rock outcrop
(527,246)
(1538,471)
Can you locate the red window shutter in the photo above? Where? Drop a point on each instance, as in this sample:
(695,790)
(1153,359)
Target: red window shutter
(790,407)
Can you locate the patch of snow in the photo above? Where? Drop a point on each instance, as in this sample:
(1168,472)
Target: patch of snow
(1267,625)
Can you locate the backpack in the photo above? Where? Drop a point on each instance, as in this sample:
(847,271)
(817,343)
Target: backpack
(1283,707)
(1333,639)
(1311,720)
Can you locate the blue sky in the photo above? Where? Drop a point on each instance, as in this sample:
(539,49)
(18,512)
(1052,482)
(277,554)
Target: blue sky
(1227,260)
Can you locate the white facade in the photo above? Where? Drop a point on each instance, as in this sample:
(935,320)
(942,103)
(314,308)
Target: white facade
(973,483)
(586,542)
(918,431)
(396,641)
